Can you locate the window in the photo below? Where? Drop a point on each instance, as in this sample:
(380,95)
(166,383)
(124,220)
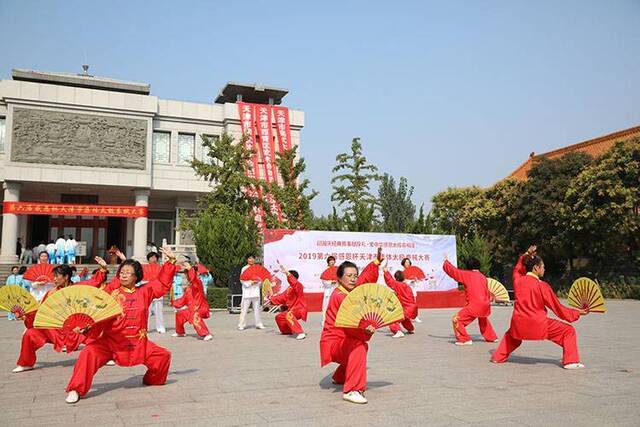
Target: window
(161,147)
(205,151)
(3,129)
(186,148)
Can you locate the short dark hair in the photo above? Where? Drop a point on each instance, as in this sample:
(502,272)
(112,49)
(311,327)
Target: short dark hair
(22,270)
(15,267)
(250,255)
(473,263)
(137,268)
(294,274)
(399,276)
(343,266)
(153,254)
(43,252)
(531,261)
(404,260)
(63,270)
(330,258)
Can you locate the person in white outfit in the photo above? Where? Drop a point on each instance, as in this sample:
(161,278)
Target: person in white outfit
(155,309)
(60,250)
(70,246)
(250,297)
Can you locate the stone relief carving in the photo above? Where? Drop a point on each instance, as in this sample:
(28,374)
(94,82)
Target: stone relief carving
(61,138)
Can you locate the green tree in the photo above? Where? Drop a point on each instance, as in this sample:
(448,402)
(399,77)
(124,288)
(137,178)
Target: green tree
(602,206)
(478,247)
(396,208)
(448,209)
(294,203)
(351,188)
(422,224)
(223,236)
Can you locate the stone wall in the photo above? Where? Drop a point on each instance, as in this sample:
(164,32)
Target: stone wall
(72,139)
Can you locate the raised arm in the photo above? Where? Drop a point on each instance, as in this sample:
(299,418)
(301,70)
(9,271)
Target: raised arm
(390,281)
(519,270)
(453,272)
(99,276)
(162,284)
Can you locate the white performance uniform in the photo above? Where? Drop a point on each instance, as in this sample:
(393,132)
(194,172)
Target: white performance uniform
(250,297)
(155,309)
(328,287)
(39,291)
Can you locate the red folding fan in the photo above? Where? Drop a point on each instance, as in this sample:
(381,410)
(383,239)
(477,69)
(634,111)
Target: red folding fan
(414,273)
(331,273)
(40,273)
(255,272)
(150,271)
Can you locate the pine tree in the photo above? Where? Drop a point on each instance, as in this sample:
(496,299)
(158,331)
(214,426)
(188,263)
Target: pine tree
(396,208)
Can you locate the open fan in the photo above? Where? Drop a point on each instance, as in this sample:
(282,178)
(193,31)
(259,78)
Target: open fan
(267,289)
(375,304)
(414,273)
(585,294)
(331,274)
(40,273)
(498,291)
(76,306)
(17,300)
(255,272)
(150,271)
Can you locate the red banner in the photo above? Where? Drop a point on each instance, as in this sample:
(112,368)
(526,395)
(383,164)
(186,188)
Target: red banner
(283,127)
(247,124)
(34,208)
(267,148)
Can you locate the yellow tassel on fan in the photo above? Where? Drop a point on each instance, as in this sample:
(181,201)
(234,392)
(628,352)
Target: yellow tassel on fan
(17,300)
(374,303)
(497,290)
(76,300)
(585,294)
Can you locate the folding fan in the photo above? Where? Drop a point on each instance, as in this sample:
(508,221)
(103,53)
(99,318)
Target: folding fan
(331,274)
(267,289)
(255,272)
(498,291)
(76,306)
(40,273)
(585,294)
(17,300)
(372,303)
(150,271)
(84,272)
(414,273)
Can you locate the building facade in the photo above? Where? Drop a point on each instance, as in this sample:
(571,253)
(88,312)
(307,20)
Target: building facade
(106,161)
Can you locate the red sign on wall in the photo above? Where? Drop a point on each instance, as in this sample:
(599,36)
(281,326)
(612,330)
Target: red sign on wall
(34,208)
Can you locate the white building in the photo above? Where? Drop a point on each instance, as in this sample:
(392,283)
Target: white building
(91,141)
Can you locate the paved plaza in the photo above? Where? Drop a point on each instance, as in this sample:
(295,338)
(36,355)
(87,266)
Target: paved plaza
(258,377)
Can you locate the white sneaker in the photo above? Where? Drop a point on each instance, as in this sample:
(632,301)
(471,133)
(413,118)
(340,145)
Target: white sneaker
(241,328)
(417,320)
(207,338)
(22,369)
(354,397)
(111,363)
(177,335)
(464,343)
(398,334)
(573,366)
(72,397)
(301,336)
(260,326)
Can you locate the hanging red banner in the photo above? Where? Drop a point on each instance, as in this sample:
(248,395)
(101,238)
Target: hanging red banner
(35,208)
(247,124)
(283,127)
(267,148)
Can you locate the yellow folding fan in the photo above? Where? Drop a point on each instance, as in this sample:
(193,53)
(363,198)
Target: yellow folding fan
(17,300)
(585,294)
(377,305)
(498,291)
(76,306)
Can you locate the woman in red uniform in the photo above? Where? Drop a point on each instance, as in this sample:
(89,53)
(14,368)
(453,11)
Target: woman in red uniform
(529,320)
(192,306)
(408,301)
(478,304)
(33,339)
(348,346)
(124,339)
(293,298)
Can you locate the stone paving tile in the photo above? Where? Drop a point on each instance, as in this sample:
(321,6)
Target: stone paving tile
(258,377)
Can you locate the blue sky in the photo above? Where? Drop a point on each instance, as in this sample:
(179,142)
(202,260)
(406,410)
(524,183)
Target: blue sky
(444,93)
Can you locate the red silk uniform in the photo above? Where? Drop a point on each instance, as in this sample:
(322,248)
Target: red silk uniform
(407,300)
(33,339)
(293,298)
(124,339)
(195,307)
(347,346)
(478,303)
(530,322)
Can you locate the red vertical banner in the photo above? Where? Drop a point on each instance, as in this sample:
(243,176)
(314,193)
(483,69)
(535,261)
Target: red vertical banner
(267,148)
(283,127)
(247,124)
